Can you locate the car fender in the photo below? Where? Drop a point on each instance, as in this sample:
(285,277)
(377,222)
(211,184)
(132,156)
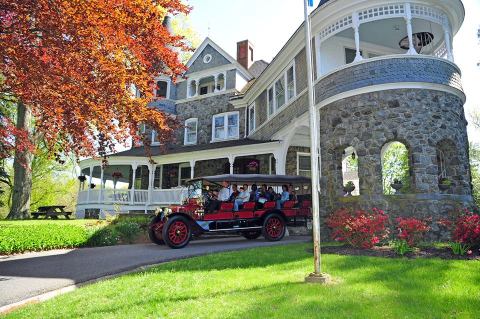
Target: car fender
(274,211)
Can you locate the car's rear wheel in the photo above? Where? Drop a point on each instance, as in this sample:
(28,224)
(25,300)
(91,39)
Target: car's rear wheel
(254,234)
(273,227)
(177,232)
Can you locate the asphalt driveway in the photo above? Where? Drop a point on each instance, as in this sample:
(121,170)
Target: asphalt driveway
(32,274)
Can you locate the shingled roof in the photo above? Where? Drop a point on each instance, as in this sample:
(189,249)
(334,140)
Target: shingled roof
(176,149)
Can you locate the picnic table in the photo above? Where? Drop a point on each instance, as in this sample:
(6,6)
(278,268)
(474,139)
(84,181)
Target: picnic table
(51,212)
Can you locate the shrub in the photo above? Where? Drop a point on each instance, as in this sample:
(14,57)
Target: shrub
(128,231)
(401,247)
(363,229)
(102,236)
(464,228)
(411,230)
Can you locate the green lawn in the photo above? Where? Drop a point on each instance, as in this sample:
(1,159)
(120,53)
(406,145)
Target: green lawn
(268,283)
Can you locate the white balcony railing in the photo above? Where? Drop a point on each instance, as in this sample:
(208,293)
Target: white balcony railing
(124,196)
(120,196)
(168,196)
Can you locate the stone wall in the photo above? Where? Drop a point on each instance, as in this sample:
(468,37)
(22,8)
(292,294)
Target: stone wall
(418,118)
(434,206)
(291,162)
(424,120)
(204,109)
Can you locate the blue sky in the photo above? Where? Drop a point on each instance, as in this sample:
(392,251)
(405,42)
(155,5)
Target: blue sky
(268,24)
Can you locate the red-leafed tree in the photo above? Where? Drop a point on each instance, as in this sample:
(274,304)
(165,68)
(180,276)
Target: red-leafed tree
(70,65)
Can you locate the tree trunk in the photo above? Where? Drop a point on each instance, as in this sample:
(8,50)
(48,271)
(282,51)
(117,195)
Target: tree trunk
(22,170)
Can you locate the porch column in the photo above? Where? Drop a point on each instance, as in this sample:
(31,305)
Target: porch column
(151,178)
(408,19)
(100,194)
(231,161)
(89,183)
(280,160)
(448,39)
(132,190)
(356,29)
(318,60)
(192,169)
(196,87)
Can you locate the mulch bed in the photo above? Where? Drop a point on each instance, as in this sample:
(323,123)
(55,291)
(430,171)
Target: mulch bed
(387,252)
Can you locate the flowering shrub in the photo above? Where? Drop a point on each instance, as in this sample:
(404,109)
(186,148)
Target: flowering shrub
(411,230)
(465,228)
(363,229)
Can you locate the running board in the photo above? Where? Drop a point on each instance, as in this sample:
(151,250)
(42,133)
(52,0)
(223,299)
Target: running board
(234,229)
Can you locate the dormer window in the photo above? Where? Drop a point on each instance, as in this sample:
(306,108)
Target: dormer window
(225,126)
(206,85)
(191,126)
(162,88)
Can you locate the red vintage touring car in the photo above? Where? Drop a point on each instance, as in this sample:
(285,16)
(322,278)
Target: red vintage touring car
(175,225)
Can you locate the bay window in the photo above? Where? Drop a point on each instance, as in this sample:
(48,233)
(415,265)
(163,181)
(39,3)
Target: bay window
(225,126)
(191,131)
(282,91)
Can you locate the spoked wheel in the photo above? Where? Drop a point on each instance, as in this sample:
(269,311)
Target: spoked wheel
(273,227)
(254,234)
(155,232)
(177,232)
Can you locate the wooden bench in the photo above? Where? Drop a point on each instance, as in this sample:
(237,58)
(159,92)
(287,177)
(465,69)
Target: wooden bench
(51,212)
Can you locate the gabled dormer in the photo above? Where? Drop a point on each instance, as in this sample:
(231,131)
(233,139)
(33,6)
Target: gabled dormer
(211,71)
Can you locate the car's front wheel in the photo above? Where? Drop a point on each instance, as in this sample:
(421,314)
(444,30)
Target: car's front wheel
(155,231)
(273,227)
(254,234)
(177,232)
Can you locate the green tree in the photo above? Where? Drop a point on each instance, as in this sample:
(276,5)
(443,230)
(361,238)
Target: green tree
(395,166)
(475,171)
(53,182)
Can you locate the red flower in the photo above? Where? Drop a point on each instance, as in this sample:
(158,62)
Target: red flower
(359,228)
(411,230)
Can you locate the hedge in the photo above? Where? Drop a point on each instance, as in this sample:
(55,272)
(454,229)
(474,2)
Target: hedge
(22,236)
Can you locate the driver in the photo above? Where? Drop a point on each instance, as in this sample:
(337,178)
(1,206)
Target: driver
(225,192)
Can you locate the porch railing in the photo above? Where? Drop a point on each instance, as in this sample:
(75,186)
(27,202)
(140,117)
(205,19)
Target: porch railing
(168,196)
(124,196)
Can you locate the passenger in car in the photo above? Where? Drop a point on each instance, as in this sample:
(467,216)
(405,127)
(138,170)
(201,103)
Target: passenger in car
(271,195)
(254,194)
(234,193)
(285,196)
(292,193)
(242,197)
(212,203)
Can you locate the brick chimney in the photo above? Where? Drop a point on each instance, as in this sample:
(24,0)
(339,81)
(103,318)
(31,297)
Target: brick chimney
(245,53)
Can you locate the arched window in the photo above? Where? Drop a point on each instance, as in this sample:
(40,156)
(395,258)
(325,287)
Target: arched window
(447,164)
(395,168)
(191,131)
(350,172)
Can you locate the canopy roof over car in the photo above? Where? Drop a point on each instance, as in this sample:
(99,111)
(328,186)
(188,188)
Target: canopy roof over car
(255,179)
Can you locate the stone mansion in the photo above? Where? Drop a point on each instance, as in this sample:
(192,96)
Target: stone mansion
(384,73)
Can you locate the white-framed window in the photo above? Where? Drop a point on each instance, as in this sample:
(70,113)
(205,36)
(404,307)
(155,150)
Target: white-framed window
(282,91)
(152,134)
(162,89)
(191,127)
(304,167)
(225,126)
(251,118)
(184,173)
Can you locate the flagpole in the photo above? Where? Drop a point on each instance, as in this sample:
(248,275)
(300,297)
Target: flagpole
(317,275)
